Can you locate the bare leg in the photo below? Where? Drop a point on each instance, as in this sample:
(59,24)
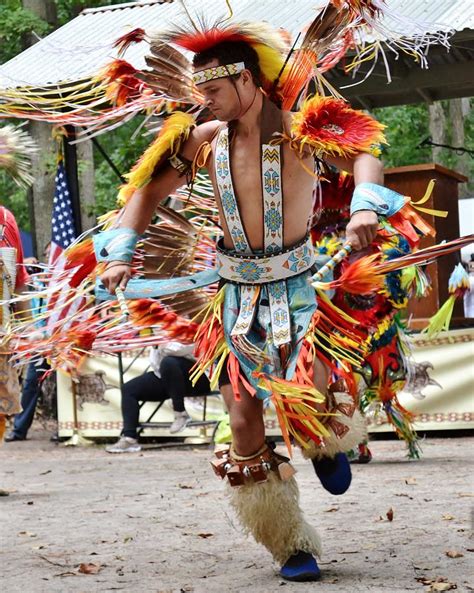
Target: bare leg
(246,420)
(321,376)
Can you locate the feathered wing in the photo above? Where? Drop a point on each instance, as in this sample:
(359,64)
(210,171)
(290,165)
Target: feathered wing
(170,76)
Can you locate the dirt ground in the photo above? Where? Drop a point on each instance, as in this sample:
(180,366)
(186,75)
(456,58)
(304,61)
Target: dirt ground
(79,520)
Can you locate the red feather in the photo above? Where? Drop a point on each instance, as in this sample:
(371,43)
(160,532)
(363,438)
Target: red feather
(135,36)
(199,41)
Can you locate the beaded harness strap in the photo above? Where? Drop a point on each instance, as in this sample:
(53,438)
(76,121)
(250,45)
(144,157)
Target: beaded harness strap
(273,236)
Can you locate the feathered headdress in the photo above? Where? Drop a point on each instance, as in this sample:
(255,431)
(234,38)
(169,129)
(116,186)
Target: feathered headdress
(173,75)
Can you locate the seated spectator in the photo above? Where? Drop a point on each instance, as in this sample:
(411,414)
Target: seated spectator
(169,379)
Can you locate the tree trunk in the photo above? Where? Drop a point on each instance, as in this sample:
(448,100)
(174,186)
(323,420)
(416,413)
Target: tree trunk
(458,113)
(42,193)
(437,128)
(85,157)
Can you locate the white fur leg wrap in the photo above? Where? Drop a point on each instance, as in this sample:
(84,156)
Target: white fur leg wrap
(356,433)
(270,511)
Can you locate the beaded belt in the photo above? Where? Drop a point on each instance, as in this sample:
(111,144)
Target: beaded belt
(260,269)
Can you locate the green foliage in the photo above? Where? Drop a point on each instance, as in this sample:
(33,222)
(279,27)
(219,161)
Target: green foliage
(14,198)
(15,23)
(123,151)
(407,126)
(68,9)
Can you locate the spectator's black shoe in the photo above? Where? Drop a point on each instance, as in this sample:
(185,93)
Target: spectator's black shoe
(11,436)
(54,438)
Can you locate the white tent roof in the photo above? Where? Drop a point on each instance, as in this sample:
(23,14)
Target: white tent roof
(82,46)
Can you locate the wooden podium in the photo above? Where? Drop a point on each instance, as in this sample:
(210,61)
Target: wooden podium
(412,181)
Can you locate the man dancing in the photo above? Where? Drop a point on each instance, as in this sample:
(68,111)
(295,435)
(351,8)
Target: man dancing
(264,193)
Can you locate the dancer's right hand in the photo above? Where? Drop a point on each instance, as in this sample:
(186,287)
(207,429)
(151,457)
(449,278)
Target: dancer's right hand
(117,273)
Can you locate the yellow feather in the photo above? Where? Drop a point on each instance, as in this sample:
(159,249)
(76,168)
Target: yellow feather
(174,132)
(270,60)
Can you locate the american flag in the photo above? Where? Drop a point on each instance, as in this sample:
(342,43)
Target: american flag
(61,304)
(62,223)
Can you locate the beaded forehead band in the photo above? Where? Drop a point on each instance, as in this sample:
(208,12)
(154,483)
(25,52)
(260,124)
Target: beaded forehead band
(218,72)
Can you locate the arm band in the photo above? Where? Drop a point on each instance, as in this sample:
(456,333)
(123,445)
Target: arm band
(181,164)
(115,245)
(379,199)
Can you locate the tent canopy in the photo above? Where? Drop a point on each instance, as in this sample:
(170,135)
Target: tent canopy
(84,45)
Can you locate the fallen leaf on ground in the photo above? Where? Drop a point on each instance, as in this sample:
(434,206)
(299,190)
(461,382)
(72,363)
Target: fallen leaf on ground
(466,494)
(185,486)
(48,471)
(447,517)
(437,584)
(27,533)
(89,568)
(434,587)
(453,554)
(390,514)
(331,510)
(205,535)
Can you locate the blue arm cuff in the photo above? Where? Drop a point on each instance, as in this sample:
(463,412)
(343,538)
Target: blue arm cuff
(379,199)
(115,245)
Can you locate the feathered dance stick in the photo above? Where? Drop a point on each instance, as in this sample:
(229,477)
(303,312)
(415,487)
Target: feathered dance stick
(358,278)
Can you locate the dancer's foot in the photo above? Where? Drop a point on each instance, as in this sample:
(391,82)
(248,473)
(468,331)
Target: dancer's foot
(335,474)
(300,567)
(365,456)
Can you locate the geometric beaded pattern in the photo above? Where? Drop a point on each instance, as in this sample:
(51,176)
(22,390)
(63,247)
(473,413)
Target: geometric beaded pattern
(273,241)
(227,194)
(218,72)
(231,212)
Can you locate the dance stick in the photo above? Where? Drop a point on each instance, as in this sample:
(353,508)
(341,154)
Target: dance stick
(122,303)
(331,264)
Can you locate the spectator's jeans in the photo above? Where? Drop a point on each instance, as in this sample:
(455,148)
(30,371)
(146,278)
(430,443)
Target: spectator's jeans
(29,397)
(174,384)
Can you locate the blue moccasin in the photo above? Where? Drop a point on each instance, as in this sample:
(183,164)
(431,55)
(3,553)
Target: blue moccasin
(335,474)
(300,567)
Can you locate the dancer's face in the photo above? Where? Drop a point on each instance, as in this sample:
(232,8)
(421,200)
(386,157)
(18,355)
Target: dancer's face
(227,99)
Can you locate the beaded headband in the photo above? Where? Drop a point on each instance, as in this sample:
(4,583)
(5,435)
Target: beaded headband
(218,72)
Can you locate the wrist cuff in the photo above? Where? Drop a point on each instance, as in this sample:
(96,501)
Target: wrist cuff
(379,199)
(115,245)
